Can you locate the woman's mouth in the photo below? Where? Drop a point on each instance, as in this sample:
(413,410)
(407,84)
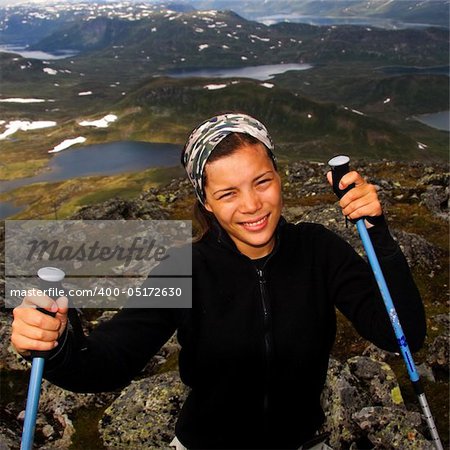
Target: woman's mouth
(256,225)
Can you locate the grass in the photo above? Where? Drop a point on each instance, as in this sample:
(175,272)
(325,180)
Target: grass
(21,169)
(62,199)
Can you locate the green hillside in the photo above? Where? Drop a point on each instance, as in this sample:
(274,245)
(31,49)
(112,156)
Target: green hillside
(170,108)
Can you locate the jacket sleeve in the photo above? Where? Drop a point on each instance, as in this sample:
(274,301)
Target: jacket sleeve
(116,350)
(355,293)
(114,353)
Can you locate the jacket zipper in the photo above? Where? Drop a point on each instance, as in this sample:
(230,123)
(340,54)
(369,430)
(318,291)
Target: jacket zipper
(267,319)
(268,340)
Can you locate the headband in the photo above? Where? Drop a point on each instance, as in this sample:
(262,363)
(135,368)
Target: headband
(204,139)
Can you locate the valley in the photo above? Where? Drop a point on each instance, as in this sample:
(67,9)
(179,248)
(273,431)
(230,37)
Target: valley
(359,93)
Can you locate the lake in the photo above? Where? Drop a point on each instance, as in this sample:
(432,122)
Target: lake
(378,22)
(440,120)
(36,54)
(416,70)
(264,72)
(98,159)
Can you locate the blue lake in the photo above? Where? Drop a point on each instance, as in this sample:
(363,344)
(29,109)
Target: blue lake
(99,159)
(377,22)
(440,120)
(264,72)
(36,54)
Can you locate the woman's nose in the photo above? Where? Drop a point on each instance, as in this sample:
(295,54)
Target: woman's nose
(250,202)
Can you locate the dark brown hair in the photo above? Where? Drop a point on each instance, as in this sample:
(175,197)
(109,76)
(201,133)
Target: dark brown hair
(203,219)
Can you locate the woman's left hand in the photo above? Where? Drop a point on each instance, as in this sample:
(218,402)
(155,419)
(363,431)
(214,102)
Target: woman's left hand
(362,200)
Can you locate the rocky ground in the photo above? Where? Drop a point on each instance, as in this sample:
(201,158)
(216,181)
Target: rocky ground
(367,399)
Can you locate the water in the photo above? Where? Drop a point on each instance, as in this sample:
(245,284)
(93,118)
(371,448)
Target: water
(36,54)
(265,72)
(103,159)
(401,70)
(440,120)
(8,209)
(388,24)
(98,159)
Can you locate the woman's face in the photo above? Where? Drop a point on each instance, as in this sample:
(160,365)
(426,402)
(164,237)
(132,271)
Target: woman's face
(243,191)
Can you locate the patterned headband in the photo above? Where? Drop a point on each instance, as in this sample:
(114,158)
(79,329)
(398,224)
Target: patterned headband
(204,139)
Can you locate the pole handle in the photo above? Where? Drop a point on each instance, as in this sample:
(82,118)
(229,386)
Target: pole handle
(339,167)
(49,278)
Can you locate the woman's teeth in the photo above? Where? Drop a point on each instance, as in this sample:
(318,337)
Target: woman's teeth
(255,224)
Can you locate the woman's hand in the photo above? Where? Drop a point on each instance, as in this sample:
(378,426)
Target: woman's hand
(34,330)
(361,201)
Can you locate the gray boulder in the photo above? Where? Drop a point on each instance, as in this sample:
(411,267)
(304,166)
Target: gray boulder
(341,398)
(9,358)
(418,251)
(436,199)
(56,409)
(378,379)
(438,353)
(145,413)
(389,428)
(359,398)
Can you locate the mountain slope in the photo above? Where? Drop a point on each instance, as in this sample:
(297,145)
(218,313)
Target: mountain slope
(165,107)
(222,38)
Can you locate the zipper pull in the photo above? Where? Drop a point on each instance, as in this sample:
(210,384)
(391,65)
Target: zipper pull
(261,275)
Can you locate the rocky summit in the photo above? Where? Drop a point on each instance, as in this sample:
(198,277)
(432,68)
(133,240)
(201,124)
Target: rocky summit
(367,400)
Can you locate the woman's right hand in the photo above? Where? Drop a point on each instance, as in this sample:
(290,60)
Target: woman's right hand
(34,330)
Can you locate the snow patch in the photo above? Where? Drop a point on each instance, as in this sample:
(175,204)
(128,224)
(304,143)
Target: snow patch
(213,87)
(202,47)
(253,36)
(100,123)
(22,100)
(422,146)
(67,143)
(267,85)
(84,93)
(387,100)
(50,71)
(24,125)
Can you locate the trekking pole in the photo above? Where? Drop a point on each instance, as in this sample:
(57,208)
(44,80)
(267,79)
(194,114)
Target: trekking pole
(49,277)
(339,167)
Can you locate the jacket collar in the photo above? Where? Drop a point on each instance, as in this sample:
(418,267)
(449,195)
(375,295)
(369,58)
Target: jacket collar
(217,236)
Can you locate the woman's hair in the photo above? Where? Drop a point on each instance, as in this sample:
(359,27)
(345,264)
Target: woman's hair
(203,219)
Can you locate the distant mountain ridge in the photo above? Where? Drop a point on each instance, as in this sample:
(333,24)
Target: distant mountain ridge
(223,38)
(125,57)
(434,12)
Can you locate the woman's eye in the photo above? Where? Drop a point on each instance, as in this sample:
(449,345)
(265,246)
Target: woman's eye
(265,181)
(227,195)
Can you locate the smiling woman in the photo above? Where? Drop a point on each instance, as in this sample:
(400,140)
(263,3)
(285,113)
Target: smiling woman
(255,344)
(242,192)
(244,195)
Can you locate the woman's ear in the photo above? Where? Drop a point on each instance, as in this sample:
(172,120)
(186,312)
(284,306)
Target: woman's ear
(207,207)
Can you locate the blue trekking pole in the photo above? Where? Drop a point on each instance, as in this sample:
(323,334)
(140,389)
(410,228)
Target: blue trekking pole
(339,167)
(49,277)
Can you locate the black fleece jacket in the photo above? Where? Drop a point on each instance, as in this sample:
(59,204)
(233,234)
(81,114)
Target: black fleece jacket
(255,345)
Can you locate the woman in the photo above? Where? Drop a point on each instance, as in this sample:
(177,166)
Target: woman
(255,345)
